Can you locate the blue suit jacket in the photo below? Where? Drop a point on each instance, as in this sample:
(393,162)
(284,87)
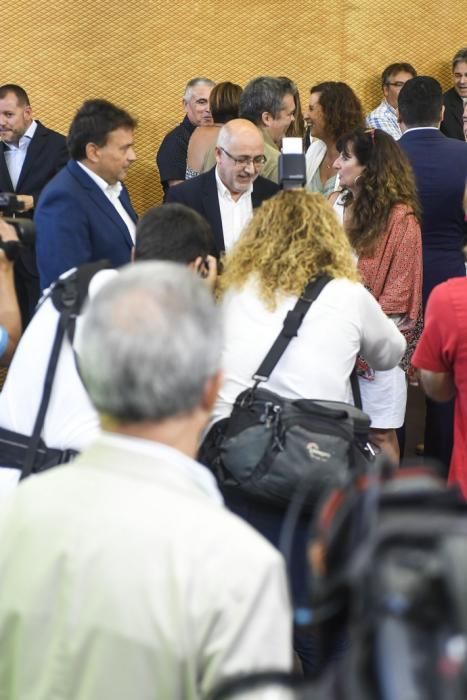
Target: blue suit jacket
(440,167)
(76,223)
(200,194)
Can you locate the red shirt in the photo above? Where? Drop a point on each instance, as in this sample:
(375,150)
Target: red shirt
(443,348)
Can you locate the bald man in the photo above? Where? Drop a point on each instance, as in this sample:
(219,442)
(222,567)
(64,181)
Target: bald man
(227,194)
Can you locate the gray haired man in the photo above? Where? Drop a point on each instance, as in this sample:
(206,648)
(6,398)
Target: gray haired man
(124,569)
(270,104)
(171,156)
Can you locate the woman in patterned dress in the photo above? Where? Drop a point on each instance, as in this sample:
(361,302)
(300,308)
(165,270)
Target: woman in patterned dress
(379,208)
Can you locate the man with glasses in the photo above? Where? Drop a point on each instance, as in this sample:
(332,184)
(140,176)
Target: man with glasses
(385,115)
(227,194)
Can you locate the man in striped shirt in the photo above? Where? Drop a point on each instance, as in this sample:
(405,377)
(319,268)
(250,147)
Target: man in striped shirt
(385,115)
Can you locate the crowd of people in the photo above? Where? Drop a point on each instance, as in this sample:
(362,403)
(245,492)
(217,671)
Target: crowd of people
(129,572)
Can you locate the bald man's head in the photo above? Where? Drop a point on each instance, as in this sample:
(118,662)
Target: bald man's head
(239,155)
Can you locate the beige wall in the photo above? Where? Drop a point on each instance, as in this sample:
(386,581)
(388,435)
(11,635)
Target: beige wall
(140,54)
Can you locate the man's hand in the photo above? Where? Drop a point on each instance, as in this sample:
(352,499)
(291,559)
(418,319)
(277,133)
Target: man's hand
(7,233)
(28,201)
(10,317)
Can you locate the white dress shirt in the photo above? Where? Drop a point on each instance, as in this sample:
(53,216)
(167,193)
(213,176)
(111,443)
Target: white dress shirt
(234,214)
(16,155)
(112,192)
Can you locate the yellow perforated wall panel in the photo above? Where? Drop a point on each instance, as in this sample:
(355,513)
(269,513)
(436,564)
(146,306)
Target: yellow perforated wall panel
(140,54)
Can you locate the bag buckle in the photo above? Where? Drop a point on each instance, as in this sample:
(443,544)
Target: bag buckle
(258,378)
(291,324)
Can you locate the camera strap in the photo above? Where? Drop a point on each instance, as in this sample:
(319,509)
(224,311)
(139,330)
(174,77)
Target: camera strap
(292,323)
(68,295)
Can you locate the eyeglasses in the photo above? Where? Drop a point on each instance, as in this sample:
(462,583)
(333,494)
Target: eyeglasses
(241,161)
(398,84)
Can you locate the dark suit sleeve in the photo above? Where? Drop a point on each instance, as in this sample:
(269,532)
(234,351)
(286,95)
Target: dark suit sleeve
(62,231)
(62,156)
(177,193)
(451,125)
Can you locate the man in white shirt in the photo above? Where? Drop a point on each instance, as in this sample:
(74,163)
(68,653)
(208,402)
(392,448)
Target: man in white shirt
(123,576)
(173,233)
(385,116)
(84,214)
(227,194)
(30,156)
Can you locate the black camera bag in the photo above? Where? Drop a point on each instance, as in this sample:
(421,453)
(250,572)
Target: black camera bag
(270,446)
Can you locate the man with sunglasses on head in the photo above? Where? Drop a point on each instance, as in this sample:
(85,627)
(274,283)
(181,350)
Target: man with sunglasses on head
(385,116)
(227,194)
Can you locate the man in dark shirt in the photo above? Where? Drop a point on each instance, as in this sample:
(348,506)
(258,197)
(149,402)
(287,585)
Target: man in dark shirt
(171,156)
(455,98)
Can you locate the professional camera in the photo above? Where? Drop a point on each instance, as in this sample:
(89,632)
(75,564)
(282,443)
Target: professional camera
(292,164)
(9,206)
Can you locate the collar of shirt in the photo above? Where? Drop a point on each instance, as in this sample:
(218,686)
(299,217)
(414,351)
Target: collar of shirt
(421,128)
(390,108)
(188,125)
(192,470)
(225,193)
(25,139)
(267,138)
(112,190)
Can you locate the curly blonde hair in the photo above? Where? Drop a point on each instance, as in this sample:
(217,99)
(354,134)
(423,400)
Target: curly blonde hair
(291,239)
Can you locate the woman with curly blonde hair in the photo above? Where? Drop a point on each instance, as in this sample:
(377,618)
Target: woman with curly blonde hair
(381,216)
(292,238)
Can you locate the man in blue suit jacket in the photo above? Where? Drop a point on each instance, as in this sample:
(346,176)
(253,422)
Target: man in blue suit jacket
(440,167)
(30,156)
(84,213)
(227,194)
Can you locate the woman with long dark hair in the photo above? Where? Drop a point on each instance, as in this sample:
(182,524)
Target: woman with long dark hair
(380,212)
